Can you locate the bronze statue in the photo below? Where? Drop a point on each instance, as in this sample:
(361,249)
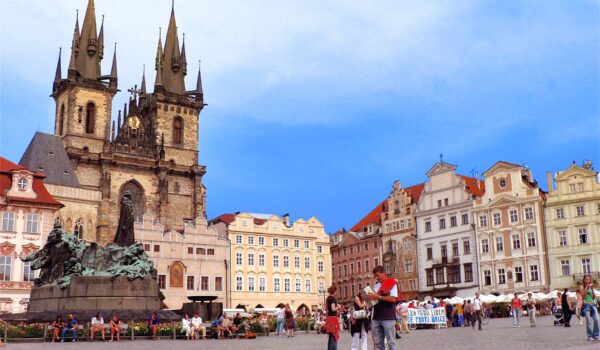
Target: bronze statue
(125,235)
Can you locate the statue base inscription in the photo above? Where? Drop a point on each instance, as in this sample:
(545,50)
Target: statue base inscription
(96,293)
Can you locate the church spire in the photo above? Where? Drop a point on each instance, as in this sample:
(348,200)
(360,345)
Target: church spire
(172,74)
(199,91)
(113,70)
(183,59)
(74,47)
(101,40)
(88,59)
(143,85)
(158,62)
(58,74)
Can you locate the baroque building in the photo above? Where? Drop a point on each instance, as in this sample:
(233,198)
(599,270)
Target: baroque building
(150,154)
(275,262)
(572,217)
(511,238)
(446,237)
(399,237)
(27,212)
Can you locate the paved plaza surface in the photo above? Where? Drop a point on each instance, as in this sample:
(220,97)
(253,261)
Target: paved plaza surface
(498,334)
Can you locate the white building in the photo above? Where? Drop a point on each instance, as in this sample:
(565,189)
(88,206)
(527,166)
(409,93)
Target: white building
(446,248)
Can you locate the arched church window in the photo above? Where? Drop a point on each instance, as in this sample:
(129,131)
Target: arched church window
(61,119)
(176,275)
(78,229)
(135,192)
(90,118)
(178,130)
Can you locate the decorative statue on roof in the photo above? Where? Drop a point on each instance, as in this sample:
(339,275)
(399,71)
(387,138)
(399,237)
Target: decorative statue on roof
(65,256)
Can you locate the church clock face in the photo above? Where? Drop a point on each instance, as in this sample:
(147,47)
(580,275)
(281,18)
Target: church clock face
(134,122)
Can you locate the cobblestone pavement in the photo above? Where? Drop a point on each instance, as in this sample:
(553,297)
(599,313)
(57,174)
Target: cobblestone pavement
(498,334)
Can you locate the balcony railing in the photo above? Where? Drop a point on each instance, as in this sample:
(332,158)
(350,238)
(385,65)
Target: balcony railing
(446,260)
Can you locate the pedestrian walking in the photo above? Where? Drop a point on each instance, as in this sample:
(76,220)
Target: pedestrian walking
(531,309)
(280,321)
(359,324)
(477,304)
(385,296)
(468,311)
(332,324)
(566,308)
(589,309)
(515,309)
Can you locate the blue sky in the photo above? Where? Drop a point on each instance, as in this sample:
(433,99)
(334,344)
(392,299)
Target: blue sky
(315,108)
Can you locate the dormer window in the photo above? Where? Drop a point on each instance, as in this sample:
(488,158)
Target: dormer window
(23,184)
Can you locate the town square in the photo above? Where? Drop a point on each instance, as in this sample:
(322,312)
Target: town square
(301,175)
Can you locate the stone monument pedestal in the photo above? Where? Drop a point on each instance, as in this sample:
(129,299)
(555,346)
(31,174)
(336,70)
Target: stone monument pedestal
(97,293)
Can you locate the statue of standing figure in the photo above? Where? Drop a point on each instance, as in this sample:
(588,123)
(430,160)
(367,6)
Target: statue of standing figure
(125,235)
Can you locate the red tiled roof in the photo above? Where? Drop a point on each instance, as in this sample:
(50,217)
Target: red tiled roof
(474,186)
(42,195)
(415,192)
(374,217)
(226,218)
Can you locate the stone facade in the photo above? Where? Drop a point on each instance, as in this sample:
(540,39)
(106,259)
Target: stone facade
(193,261)
(511,239)
(400,237)
(445,238)
(275,262)
(572,217)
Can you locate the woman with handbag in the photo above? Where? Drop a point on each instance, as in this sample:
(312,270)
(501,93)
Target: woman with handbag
(332,324)
(359,324)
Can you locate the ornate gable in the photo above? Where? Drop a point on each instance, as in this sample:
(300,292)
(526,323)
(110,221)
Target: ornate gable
(440,167)
(574,170)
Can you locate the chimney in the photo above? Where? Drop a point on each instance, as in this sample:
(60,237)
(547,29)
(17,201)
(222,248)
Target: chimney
(549,179)
(286,220)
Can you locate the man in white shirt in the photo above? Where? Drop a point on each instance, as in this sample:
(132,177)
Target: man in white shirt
(531,309)
(97,326)
(197,326)
(280,321)
(477,307)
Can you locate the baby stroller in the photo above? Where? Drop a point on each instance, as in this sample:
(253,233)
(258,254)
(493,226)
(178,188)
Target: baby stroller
(559,319)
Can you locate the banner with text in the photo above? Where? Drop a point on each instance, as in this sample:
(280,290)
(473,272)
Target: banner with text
(423,316)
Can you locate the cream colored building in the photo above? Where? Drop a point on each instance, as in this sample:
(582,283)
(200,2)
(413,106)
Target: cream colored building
(572,218)
(189,262)
(275,262)
(511,240)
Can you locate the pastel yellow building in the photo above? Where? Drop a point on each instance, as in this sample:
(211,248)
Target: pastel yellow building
(572,219)
(275,262)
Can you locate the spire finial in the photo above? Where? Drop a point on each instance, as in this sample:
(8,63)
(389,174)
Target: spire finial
(58,74)
(143,86)
(113,70)
(199,91)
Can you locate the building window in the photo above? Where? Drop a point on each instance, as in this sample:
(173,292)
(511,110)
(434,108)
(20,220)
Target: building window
(275,242)
(439,275)
(178,130)
(32,223)
(528,213)
(239,283)
(367,265)
(514,217)
(28,273)
(190,283)
(502,183)
(162,281)
(275,260)
(298,285)
(286,242)
(147,247)
(439,203)
(358,267)
(219,284)
(499,244)
(210,251)
(454,274)
(157,248)
(296,243)
(580,210)
(518,274)
(468,272)
(306,244)
(351,269)
(320,249)
(453,221)
(78,229)
(250,259)
(238,259)
(429,273)
(90,118)
(307,286)
(497,219)
(286,285)
(482,221)
(560,213)
(376,261)
(251,284)
(429,253)
(261,240)
(8,221)
(366,246)
(565,267)
(533,273)
(61,120)
(22,183)
(238,239)
(516,242)
(204,283)
(408,265)
(586,266)
(261,260)
(562,238)
(531,239)
(466,247)
(598,208)
(501,276)
(286,261)
(427,226)
(583,236)
(320,266)
(455,249)
(297,262)
(442,224)
(262,284)
(276,284)
(487,277)
(251,240)
(485,246)
(307,263)
(465,219)
(190,250)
